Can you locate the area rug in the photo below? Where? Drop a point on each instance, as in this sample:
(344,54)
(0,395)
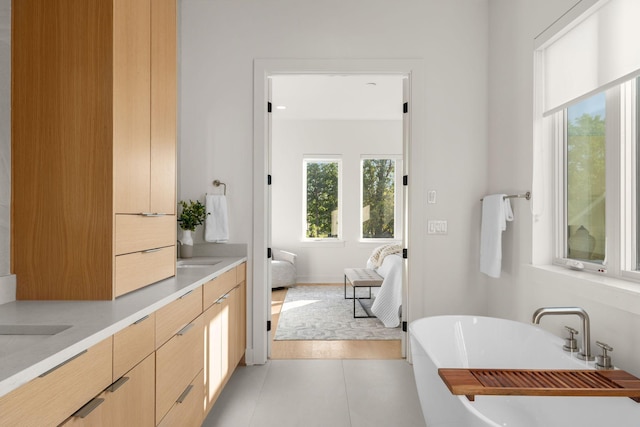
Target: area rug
(320,312)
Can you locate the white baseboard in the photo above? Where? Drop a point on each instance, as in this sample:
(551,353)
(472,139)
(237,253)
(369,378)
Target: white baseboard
(7,288)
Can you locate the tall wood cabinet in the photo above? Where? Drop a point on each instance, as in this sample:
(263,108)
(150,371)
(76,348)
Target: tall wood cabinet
(93,146)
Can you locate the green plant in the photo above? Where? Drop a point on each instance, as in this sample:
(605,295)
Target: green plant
(193,214)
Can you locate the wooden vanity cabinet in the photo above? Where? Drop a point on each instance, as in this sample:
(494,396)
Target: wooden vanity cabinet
(52,397)
(93,146)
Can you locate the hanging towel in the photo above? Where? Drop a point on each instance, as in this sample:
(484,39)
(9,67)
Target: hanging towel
(216,227)
(496,211)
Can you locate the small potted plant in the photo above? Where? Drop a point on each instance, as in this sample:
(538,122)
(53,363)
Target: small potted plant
(193,214)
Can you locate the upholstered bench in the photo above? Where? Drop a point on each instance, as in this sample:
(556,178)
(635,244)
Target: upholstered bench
(361,278)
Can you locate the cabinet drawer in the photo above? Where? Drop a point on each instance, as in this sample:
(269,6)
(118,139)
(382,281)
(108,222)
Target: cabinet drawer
(241,273)
(51,398)
(217,287)
(174,316)
(135,233)
(132,344)
(133,271)
(187,411)
(177,363)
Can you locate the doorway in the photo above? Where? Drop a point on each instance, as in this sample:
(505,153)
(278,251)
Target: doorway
(336,158)
(263,71)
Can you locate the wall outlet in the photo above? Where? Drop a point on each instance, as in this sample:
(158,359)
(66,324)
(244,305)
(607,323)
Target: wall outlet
(436,226)
(432,196)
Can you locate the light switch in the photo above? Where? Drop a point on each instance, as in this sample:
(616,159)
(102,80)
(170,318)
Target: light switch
(431,196)
(436,226)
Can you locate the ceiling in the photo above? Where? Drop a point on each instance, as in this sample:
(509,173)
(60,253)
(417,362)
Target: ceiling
(337,97)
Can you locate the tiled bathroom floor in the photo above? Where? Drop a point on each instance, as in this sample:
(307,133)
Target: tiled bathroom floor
(320,393)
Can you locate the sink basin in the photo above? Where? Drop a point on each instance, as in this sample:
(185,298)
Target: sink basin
(195,262)
(14,338)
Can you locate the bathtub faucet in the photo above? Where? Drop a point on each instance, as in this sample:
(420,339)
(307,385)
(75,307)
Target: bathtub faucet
(585,354)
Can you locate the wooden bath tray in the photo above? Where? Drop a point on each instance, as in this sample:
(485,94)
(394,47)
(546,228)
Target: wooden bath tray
(526,382)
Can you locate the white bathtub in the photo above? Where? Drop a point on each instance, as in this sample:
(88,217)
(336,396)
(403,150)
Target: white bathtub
(484,342)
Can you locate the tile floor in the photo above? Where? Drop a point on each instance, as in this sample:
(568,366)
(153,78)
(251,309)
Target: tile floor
(320,393)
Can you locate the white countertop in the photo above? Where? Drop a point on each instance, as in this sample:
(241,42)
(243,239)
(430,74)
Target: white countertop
(91,321)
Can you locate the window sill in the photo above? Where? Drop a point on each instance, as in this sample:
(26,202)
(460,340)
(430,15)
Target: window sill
(603,289)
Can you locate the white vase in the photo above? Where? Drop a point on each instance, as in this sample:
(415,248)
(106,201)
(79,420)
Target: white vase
(186,244)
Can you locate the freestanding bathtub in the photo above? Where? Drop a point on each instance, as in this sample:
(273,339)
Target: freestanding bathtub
(484,342)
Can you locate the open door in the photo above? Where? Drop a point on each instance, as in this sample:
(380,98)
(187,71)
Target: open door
(269,210)
(406,139)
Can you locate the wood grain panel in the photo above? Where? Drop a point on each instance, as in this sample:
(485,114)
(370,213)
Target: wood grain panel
(136,233)
(213,354)
(174,316)
(131,105)
(177,363)
(49,400)
(133,344)
(241,273)
(217,287)
(61,225)
(139,269)
(189,412)
(163,105)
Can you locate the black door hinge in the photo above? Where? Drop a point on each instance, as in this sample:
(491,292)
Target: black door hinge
(405,253)
(268,107)
(405,180)
(269,179)
(404,326)
(268,253)
(268,325)
(405,107)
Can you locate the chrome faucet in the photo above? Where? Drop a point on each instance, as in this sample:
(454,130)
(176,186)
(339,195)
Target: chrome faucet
(585,354)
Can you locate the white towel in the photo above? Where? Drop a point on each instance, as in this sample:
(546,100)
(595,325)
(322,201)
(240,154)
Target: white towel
(496,211)
(216,227)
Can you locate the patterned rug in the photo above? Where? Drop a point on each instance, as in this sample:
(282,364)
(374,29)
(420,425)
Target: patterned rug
(320,312)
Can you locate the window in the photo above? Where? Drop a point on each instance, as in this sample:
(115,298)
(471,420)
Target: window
(585,179)
(322,215)
(378,190)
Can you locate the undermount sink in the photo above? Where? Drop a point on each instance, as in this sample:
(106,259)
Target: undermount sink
(195,263)
(14,338)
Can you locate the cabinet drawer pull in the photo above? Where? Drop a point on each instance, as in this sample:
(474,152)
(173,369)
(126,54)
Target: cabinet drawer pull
(153,214)
(118,384)
(185,329)
(141,320)
(184,394)
(148,251)
(62,364)
(88,408)
(186,294)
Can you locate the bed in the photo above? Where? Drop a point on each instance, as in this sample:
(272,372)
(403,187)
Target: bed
(388,302)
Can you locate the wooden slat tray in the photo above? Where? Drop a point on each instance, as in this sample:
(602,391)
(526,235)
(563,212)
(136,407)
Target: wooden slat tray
(526,382)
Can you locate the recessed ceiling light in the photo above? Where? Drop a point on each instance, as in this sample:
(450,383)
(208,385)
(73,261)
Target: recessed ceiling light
(281,107)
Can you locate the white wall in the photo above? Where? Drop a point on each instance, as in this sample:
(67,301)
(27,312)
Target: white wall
(291,140)
(614,310)
(220,40)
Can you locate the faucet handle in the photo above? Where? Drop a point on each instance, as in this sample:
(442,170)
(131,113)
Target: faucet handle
(603,361)
(570,343)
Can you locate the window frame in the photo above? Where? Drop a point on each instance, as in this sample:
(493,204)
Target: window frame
(397,198)
(621,174)
(312,158)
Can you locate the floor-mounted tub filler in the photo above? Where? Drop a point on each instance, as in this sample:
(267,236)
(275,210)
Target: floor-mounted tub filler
(484,342)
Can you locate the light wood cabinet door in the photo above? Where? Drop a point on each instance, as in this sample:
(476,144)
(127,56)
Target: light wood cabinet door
(163,105)
(177,363)
(217,287)
(187,411)
(213,350)
(139,269)
(174,316)
(129,401)
(132,344)
(49,399)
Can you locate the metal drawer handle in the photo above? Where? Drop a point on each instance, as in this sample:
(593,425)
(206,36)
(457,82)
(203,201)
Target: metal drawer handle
(184,394)
(153,214)
(148,251)
(185,329)
(186,294)
(88,408)
(62,364)
(118,384)
(141,320)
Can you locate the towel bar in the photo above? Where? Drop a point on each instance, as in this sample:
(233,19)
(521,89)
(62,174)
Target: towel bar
(526,195)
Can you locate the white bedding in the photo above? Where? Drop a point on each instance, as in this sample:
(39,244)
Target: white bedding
(388,300)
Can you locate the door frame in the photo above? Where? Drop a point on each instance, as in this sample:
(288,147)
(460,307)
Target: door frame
(259,296)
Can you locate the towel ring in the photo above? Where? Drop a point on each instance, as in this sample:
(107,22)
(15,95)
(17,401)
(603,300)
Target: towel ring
(217,183)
